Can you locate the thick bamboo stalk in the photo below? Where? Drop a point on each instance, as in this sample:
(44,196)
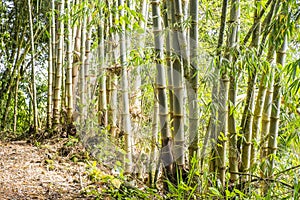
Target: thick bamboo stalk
(193,83)
(233,88)
(34,101)
(112,79)
(167,19)
(166,154)
(59,68)
(247,118)
(102,96)
(125,97)
(245,142)
(50,71)
(135,74)
(257,118)
(259,105)
(69,87)
(219,107)
(222,128)
(16,104)
(76,61)
(265,126)
(82,71)
(233,151)
(180,56)
(154,140)
(87,61)
(275,112)
(230,90)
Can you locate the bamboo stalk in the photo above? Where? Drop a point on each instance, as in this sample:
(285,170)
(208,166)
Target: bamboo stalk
(275,112)
(219,108)
(69,87)
(125,97)
(194,84)
(34,101)
(59,68)
(166,154)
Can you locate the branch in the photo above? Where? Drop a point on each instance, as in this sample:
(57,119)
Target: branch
(286,170)
(257,178)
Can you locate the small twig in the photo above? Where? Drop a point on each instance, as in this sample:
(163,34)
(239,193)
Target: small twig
(80,180)
(273,180)
(245,174)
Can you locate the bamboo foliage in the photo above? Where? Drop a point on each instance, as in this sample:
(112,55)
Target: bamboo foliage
(16,60)
(19,42)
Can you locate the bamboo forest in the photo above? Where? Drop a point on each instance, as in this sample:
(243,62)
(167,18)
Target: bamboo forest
(149,99)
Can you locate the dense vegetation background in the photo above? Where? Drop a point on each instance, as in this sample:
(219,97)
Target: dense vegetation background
(197,99)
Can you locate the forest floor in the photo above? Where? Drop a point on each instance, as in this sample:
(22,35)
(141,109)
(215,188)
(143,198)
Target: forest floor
(43,171)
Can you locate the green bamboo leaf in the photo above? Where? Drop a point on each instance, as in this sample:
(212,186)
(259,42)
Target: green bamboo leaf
(215,192)
(239,192)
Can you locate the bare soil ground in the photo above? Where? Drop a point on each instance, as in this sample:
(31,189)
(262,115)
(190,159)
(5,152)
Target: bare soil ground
(30,172)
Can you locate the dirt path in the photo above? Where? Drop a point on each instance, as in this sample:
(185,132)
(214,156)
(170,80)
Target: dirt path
(29,172)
